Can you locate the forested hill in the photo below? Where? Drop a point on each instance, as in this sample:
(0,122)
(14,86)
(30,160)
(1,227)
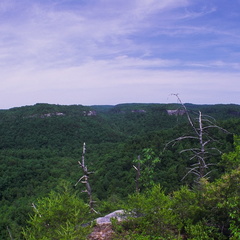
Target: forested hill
(44,125)
(40,147)
(58,126)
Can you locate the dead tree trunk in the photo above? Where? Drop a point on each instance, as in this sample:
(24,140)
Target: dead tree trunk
(202,163)
(138,174)
(200,127)
(10,234)
(85,178)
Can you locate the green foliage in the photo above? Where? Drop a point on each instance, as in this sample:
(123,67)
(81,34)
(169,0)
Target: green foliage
(147,163)
(222,202)
(201,231)
(152,216)
(111,204)
(234,213)
(222,198)
(58,216)
(231,160)
(211,211)
(185,205)
(41,144)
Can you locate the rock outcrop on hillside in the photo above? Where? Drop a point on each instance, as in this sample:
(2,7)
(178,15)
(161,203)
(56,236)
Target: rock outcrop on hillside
(103,229)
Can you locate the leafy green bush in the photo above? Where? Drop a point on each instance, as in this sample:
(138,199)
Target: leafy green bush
(234,213)
(185,204)
(231,160)
(58,216)
(152,216)
(201,231)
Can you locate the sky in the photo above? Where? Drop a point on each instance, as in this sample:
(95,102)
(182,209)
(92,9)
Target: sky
(97,52)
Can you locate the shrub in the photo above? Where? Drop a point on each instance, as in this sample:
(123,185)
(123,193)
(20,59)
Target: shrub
(58,216)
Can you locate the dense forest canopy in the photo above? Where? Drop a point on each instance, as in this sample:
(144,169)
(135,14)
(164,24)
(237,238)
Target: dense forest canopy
(40,146)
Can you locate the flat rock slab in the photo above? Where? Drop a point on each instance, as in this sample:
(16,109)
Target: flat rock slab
(119,215)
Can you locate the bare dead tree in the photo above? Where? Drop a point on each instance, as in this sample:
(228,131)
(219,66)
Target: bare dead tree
(138,174)
(35,208)
(10,234)
(200,127)
(85,179)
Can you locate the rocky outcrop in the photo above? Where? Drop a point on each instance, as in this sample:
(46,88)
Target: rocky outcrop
(103,229)
(45,115)
(177,112)
(118,214)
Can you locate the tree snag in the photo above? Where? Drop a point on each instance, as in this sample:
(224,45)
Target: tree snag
(138,174)
(85,179)
(200,127)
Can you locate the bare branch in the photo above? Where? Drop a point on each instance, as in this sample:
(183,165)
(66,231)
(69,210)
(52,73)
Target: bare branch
(188,116)
(138,174)
(178,139)
(135,168)
(190,149)
(207,173)
(85,178)
(205,143)
(34,206)
(200,126)
(9,232)
(216,149)
(79,180)
(192,170)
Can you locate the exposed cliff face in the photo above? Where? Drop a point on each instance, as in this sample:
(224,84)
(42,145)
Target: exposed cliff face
(54,114)
(177,112)
(45,115)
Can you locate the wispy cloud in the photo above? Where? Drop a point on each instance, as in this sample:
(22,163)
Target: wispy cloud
(46,32)
(136,45)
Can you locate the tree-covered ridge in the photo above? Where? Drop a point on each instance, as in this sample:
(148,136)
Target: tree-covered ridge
(40,145)
(57,126)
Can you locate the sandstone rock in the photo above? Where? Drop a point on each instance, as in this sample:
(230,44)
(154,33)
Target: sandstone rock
(103,229)
(118,214)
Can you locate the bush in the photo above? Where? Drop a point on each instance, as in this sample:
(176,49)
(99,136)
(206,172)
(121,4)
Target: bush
(58,216)
(152,216)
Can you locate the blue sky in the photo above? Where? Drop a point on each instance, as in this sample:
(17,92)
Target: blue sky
(118,51)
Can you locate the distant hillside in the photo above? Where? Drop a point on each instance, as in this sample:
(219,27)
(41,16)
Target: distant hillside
(137,118)
(48,125)
(44,125)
